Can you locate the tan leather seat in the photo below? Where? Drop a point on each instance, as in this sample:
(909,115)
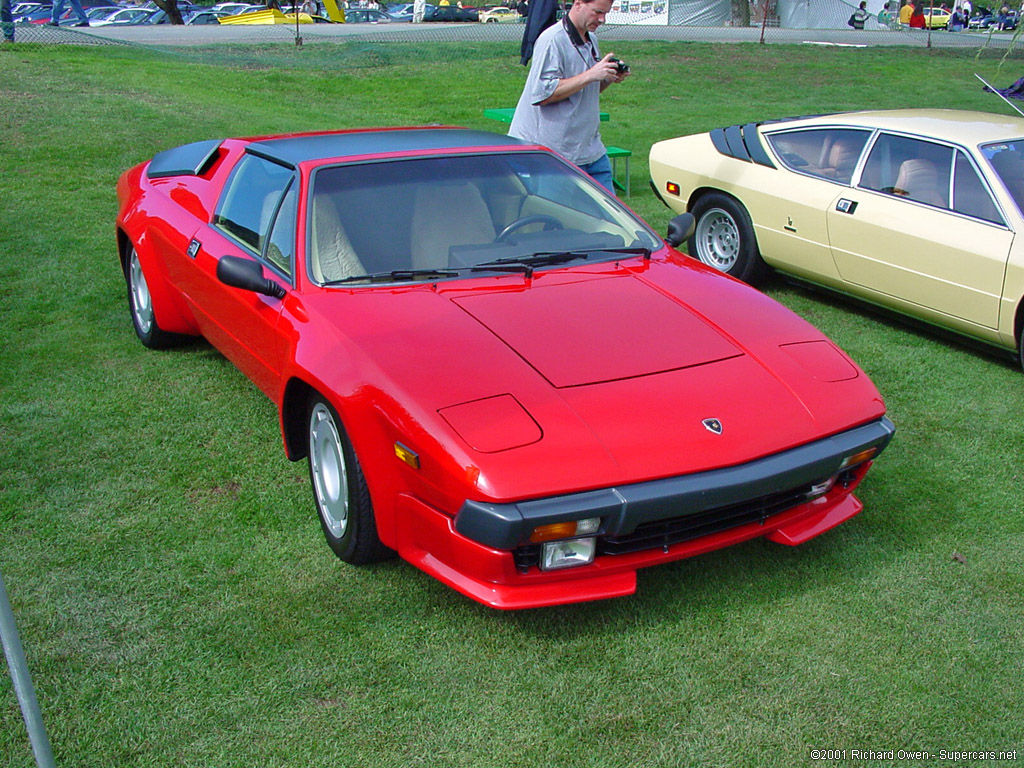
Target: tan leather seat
(842,158)
(331,254)
(919,181)
(446,214)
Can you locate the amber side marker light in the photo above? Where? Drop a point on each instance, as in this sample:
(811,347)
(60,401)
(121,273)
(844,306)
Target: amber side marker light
(407,455)
(672,188)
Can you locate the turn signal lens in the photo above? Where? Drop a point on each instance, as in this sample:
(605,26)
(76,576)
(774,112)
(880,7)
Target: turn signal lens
(565,530)
(858,458)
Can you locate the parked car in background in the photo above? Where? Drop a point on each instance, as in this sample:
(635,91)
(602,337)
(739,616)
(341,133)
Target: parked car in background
(981,18)
(127,17)
(95,15)
(42,15)
(234,9)
(498,14)
(366,16)
(19,10)
(936,18)
(186,9)
(914,210)
(400,11)
(509,379)
(449,13)
(205,17)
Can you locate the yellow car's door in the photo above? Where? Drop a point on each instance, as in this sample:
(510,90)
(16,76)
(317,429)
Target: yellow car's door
(922,233)
(791,220)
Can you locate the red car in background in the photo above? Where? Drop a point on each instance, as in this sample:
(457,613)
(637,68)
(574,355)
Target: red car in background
(492,366)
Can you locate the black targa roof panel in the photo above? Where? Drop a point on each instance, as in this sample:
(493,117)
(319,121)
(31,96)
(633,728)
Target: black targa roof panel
(186,160)
(293,150)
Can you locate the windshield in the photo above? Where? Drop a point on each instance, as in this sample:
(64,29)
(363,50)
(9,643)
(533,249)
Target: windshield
(411,218)
(1007,159)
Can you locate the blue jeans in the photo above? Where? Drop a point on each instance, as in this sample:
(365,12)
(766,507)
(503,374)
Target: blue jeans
(600,170)
(58,11)
(6,20)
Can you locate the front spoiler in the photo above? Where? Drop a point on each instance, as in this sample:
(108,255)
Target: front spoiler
(623,508)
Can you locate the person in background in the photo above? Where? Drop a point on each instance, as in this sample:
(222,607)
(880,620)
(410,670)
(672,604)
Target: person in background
(6,21)
(917,18)
(860,15)
(885,17)
(956,20)
(906,12)
(1004,16)
(560,104)
(58,11)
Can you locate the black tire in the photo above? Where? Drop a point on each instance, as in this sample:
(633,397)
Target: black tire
(723,238)
(140,307)
(339,489)
(1020,349)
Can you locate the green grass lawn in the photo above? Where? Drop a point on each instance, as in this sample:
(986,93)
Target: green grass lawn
(176,600)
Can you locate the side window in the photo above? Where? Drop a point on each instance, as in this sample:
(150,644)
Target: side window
(281,247)
(970,197)
(1007,159)
(828,153)
(250,198)
(911,168)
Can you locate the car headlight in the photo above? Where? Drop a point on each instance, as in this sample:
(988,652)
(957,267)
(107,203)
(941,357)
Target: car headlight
(566,544)
(566,554)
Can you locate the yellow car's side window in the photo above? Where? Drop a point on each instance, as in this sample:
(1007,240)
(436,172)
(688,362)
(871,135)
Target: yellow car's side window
(828,153)
(909,167)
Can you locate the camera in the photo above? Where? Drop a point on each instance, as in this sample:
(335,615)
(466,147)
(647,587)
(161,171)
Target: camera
(620,66)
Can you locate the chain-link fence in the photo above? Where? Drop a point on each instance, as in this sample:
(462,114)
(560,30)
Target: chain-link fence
(764,21)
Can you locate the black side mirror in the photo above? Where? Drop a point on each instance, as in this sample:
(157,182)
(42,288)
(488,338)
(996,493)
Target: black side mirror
(247,275)
(680,229)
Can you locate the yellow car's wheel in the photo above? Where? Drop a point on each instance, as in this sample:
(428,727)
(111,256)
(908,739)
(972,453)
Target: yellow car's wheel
(724,238)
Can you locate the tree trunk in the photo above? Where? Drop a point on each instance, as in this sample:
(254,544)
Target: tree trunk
(171,8)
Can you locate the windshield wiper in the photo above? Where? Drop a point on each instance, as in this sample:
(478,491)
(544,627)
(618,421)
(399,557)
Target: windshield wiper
(395,276)
(542,258)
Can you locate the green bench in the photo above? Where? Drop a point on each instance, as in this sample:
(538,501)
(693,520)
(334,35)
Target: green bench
(615,154)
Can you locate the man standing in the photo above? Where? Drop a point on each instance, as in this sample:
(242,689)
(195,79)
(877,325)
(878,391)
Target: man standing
(560,104)
(58,11)
(6,21)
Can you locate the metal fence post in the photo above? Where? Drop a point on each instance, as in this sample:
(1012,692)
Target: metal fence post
(23,683)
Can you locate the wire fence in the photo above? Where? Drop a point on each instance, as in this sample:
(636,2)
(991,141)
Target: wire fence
(369,44)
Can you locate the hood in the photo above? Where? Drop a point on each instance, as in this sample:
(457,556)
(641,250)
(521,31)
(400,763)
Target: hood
(598,375)
(598,329)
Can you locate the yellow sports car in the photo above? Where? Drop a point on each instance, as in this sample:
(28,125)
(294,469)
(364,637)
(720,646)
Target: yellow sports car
(914,210)
(937,18)
(500,14)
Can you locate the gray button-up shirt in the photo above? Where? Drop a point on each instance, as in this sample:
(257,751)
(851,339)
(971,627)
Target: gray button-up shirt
(571,126)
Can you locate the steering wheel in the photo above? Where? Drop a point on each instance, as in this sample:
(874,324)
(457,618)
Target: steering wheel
(549,222)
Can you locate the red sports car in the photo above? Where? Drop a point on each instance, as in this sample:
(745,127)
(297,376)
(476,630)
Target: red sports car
(494,368)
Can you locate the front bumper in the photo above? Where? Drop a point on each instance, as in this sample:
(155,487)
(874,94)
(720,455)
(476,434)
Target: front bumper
(741,502)
(702,501)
